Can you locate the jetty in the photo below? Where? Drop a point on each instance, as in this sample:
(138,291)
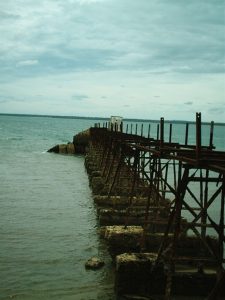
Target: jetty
(160,207)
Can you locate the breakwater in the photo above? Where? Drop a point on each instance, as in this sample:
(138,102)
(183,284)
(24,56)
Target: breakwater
(154,200)
(160,206)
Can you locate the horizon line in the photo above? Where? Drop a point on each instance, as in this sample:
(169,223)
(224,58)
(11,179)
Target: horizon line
(103,118)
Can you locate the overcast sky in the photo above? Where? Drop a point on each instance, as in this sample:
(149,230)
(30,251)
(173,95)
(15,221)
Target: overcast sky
(134,58)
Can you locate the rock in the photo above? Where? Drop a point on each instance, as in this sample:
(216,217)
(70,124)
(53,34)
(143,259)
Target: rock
(54,149)
(81,141)
(94,263)
(70,148)
(63,149)
(79,145)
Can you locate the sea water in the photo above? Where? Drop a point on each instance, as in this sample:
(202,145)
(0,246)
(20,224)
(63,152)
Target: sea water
(48,225)
(48,222)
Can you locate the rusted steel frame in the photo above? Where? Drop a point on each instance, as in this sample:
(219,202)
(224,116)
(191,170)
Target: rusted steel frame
(183,159)
(143,239)
(204,203)
(142,129)
(179,175)
(214,226)
(210,247)
(142,164)
(165,164)
(151,143)
(155,182)
(193,259)
(138,168)
(174,156)
(135,168)
(166,233)
(163,179)
(177,147)
(193,162)
(169,283)
(206,155)
(174,174)
(177,223)
(127,160)
(115,154)
(206,180)
(149,130)
(189,208)
(157,132)
(202,238)
(151,186)
(115,177)
(211,135)
(186,134)
(146,176)
(221,223)
(207,159)
(202,224)
(216,168)
(132,165)
(205,151)
(158,178)
(197,217)
(218,286)
(170,133)
(185,155)
(106,146)
(147,159)
(107,157)
(179,200)
(201,195)
(169,225)
(161,133)
(132,139)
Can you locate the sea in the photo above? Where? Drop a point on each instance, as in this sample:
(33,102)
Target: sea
(48,221)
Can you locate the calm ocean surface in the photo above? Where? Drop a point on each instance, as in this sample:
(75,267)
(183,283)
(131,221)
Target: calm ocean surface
(48,223)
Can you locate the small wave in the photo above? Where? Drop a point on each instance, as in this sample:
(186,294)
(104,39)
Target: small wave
(18,138)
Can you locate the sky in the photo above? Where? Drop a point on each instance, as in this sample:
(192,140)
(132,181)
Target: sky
(132,58)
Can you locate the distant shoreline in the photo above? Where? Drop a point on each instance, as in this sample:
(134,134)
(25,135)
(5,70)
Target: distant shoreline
(107,119)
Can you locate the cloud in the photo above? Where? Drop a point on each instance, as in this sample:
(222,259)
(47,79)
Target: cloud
(174,49)
(88,1)
(217,110)
(79,97)
(27,63)
(8,16)
(188,102)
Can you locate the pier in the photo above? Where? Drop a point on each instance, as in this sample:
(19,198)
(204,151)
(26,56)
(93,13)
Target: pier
(156,201)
